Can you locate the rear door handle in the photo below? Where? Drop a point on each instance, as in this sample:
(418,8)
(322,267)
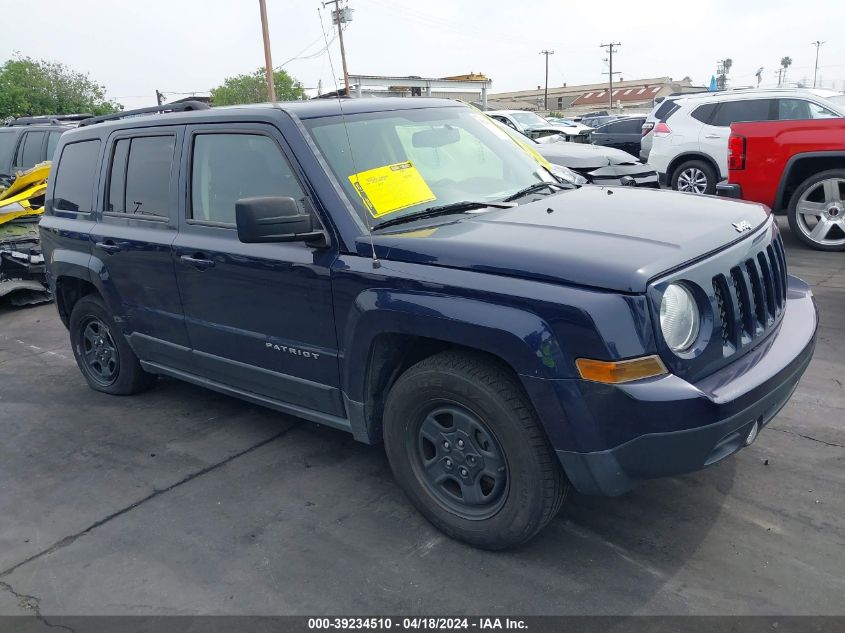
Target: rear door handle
(713,136)
(198,261)
(108,246)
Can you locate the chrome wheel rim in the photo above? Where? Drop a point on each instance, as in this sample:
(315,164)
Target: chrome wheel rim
(692,180)
(820,212)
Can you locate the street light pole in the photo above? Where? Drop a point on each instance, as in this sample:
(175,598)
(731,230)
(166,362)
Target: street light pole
(546,91)
(268,59)
(817,44)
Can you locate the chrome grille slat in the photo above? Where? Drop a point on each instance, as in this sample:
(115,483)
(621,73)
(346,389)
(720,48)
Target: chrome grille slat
(743,295)
(720,292)
(750,297)
(766,273)
(757,292)
(775,266)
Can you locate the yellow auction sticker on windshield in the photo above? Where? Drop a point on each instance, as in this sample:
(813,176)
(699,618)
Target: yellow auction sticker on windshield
(391,188)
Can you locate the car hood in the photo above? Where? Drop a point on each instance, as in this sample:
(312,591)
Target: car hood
(613,238)
(582,156)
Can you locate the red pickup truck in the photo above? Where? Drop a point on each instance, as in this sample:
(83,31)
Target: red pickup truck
(796,167)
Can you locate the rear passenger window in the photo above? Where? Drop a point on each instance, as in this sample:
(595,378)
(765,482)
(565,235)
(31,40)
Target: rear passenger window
(628,126)
(746,110)
(74,190)
(29,151)
(52,141)
(139,178)
(228,167)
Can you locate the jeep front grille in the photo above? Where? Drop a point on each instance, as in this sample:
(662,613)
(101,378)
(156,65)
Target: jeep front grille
(750,297)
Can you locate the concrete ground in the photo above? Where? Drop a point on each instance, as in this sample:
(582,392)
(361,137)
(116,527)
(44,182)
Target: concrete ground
(182,501)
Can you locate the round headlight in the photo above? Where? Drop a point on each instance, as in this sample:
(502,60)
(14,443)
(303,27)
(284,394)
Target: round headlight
(679,319)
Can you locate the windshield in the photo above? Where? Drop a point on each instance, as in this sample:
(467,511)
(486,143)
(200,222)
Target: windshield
(403,162)
(528,119)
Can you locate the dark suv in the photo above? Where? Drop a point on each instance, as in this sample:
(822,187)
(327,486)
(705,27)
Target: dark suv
(27,141)
(403,270)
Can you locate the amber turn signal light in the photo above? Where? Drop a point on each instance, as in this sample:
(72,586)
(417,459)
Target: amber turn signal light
(614,372)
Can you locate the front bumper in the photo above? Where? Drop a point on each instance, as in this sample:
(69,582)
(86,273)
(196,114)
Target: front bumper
(621,175)
(728,190)
(686,426)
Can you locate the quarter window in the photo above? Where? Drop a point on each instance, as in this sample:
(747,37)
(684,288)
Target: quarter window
(228,167)
(703,113)
(139,179)
(74,189)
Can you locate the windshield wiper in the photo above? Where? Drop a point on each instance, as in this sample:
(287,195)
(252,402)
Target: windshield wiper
(537,186)
(446,209)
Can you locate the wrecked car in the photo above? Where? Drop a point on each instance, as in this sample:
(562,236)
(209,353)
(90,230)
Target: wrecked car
(22,274)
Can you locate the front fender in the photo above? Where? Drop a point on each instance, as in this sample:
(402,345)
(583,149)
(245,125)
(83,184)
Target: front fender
(520,338)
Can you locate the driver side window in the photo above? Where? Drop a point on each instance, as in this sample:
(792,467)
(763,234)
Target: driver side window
(228,167)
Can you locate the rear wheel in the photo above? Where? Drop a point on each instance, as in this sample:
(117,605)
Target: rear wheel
(466,447)
(694,176)
(102,353)
(816,211)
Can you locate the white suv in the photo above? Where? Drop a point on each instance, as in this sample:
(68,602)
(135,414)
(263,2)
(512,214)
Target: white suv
(690,143)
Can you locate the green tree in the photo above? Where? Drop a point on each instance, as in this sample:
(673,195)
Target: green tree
(252,88)
(30,87)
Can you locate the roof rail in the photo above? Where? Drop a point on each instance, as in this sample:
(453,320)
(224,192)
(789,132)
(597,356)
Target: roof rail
(185,106)
(49,119)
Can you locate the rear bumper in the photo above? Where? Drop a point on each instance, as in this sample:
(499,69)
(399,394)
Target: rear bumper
(711,419)
(728,190)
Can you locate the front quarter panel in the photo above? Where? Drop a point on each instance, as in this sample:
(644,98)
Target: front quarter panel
(538,329)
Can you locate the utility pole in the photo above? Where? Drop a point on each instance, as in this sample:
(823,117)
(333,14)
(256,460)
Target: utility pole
(546,91)
(268,59)
(159,97)
(817,44)
(609,48)
(340,18)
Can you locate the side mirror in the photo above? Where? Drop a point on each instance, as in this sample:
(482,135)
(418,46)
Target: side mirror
(274,219)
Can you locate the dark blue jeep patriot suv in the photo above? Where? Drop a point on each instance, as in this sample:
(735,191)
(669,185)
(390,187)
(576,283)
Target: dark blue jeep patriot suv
(405,271)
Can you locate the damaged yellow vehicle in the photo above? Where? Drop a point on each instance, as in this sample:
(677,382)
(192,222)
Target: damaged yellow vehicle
(22,273)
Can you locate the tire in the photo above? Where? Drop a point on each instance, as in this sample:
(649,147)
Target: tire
(481,421)
(102,353)
(823,195)
(694,176)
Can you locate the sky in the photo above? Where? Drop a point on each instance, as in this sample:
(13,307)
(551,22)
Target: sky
(182,46)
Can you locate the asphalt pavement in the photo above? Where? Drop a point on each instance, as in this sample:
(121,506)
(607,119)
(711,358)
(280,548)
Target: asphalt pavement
(184,501)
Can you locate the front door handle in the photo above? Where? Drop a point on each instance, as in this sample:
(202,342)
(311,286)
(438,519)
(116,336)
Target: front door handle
(108,246)
(198,261)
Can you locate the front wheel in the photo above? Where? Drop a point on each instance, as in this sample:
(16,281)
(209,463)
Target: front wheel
(466,447)
(816,211)
(694,176)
